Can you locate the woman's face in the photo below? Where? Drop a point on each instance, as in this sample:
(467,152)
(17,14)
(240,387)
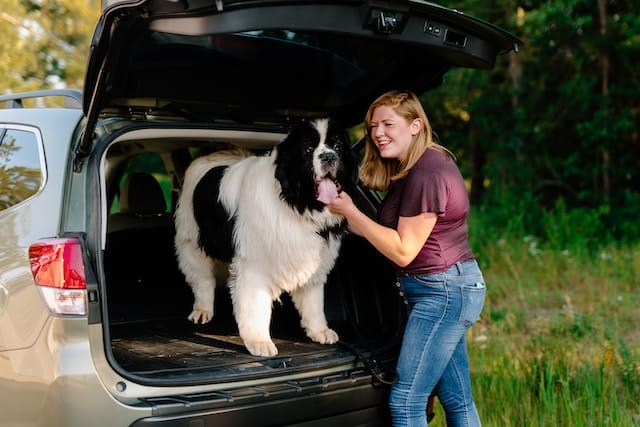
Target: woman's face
(392,133)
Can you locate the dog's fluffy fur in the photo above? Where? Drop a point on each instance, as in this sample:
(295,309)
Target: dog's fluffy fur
(266,215)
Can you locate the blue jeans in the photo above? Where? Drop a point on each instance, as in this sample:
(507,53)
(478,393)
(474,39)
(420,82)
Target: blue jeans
(433,358)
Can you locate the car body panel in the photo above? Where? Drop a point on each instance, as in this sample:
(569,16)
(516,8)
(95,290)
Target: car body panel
(22,224)
(58,378)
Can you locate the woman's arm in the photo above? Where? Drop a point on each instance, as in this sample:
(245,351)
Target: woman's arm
(402,245)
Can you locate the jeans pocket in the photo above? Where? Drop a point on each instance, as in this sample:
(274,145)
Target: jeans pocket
(472,303)
(430,279)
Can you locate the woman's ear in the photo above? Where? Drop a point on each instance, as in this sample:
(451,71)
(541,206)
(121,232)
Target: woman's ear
(416,125)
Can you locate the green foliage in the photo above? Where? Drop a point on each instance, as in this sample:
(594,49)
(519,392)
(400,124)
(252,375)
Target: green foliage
(554,126)
(45,43)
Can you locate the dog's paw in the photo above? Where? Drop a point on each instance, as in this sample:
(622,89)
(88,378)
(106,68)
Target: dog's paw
(201,316)
(328,336)
(264,348)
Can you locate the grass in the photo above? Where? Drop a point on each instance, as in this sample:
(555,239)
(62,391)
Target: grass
(558,343)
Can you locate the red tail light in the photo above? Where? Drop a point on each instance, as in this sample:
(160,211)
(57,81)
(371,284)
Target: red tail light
(58,270)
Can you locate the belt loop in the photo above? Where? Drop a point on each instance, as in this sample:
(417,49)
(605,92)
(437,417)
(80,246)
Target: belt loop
(460,268)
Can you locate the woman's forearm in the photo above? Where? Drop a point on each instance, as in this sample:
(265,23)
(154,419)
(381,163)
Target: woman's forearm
(386,240)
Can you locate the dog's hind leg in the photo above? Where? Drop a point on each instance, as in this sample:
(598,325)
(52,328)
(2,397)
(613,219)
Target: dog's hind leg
(198,269)
(252,304)
(309,300)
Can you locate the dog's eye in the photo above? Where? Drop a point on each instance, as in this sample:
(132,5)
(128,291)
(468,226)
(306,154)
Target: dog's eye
(335,143)
(309,150)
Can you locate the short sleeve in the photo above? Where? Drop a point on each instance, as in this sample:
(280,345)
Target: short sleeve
(425,190)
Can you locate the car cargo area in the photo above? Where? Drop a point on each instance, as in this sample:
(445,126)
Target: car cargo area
(147,300)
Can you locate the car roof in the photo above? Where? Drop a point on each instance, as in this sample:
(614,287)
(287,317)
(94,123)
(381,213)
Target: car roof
(268,61)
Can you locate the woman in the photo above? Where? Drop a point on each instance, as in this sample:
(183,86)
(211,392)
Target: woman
(422,229)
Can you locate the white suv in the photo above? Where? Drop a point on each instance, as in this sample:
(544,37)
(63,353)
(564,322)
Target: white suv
(93,307)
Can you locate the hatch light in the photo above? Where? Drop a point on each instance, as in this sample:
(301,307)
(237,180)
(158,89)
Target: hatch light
(58,270)
(455,38)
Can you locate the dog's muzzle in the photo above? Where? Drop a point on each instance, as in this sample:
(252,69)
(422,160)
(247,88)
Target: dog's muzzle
(327,187)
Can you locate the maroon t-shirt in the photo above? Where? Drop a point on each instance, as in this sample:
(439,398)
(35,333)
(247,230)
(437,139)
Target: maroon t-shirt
(434,184)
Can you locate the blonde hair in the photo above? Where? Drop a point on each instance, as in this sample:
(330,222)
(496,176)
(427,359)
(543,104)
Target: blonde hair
(379,173)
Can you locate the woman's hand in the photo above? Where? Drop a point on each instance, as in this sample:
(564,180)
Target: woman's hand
(342,205)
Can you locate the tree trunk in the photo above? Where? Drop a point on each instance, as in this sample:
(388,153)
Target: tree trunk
(477,166)
(605,65)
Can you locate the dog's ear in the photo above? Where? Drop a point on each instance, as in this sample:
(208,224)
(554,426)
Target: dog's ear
(292,169)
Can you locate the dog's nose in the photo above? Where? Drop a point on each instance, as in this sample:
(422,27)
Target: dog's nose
(328,156)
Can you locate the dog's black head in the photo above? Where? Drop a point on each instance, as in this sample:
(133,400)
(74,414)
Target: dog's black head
(314,163)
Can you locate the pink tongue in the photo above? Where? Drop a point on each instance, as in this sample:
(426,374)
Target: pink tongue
(327,191)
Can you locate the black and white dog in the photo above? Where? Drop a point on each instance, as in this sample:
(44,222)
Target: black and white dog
(267,216)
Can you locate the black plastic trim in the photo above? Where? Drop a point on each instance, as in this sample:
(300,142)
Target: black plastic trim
(349,398)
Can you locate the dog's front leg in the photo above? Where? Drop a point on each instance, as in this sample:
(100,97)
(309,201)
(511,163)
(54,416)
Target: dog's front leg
(309,300)
(252,304)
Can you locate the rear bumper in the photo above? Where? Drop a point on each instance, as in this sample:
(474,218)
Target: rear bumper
(350,399)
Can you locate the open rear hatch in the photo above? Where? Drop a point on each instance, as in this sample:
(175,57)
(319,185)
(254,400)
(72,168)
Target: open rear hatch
(249,66)
(273,61)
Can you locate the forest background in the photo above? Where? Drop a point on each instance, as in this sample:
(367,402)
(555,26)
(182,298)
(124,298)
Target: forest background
(548,140)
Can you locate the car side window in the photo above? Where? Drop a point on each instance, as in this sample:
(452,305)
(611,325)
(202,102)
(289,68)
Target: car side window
(21,169)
